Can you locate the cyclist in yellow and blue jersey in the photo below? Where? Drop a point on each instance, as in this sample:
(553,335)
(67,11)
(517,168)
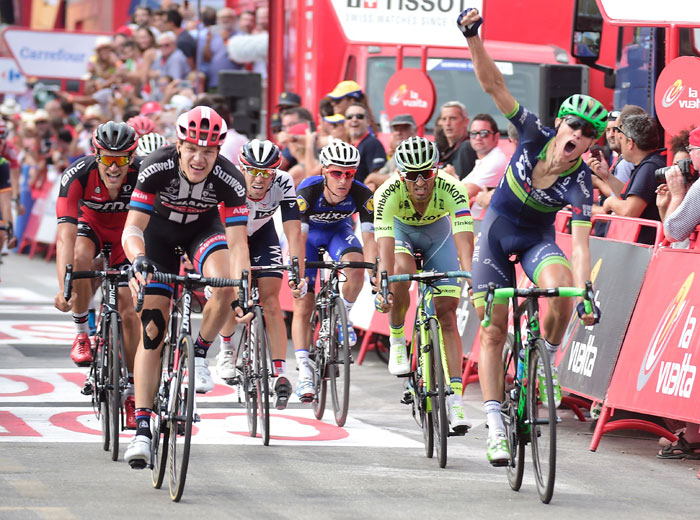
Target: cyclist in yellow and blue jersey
(545,174)
(421,207)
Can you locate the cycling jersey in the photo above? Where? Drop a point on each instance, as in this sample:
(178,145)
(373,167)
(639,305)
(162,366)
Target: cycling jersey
(518,201)
(449,198)
(163,190)
(317,212)
(281,194)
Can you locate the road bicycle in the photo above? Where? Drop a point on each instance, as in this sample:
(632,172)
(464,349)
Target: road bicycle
(174,403)
(108,376)
(254,370)
(523,392)
(428,384)
(329,356)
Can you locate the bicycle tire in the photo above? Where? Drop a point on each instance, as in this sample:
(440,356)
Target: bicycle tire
(181,418)
(247,384)
(438,402)
(339,364)
(421,392)
(543,431)
(509,414)
(161,430)
(114,393)
(101,382)
(262,375)
(317,355)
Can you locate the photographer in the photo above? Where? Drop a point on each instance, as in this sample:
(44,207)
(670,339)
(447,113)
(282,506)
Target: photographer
(679,198)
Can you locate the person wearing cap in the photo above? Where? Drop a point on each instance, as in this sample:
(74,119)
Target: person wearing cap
(288,100)
(334,128)
(170,60)
(104,63)
(344,94)
(372,153)
(402,126)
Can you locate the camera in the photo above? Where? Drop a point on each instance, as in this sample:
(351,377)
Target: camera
(687,169)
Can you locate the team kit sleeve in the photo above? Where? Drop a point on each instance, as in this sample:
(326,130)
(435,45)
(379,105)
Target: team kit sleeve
(581,199)
(529,126)
(144,195)
(364,203)
(235,211)
(460,213)
(386,205)
(71,193)
(304,202)
(289,205)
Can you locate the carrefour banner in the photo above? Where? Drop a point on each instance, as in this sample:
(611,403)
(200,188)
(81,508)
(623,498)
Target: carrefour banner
(587,355)
(657,369)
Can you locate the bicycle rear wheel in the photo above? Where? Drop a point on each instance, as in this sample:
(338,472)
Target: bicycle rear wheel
(438,399)
(339,363)
(317,359)
(181,416)
(509,413)
(114,394)
(262,374)
(543,427)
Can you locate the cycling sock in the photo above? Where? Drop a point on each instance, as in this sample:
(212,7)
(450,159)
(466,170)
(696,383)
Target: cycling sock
(456,385)
(348,306)
(201,347)
(143,422)
(226,342)
(552,349)
(494,421)
(280,366)
(303,363)
(396,335)
(81,322)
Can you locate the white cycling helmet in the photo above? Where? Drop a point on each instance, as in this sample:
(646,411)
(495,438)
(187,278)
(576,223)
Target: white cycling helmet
(149,143)
(340,153)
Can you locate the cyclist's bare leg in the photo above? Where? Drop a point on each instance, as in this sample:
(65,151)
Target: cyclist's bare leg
(147,360)
(269,298)
(446,310)
(301,334)
(491,341)
(558,309)
(403,264)
(83,254)
(131,326)
(217,309)
(354,278)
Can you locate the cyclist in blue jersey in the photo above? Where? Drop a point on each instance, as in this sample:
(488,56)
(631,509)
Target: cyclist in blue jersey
(545,174)
(326,204)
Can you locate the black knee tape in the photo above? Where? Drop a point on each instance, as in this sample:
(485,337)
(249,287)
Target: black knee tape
(154,316)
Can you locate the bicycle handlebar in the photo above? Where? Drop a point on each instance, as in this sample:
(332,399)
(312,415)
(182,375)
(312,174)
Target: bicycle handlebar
(427,277)
(117,275)
(192,280)
(337,266)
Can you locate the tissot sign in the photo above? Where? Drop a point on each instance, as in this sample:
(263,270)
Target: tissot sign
(50,54)
(410,22)
(677,98)
(410,91)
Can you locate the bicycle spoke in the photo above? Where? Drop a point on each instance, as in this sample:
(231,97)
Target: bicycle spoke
(182,414)
(438,399)
(317,360)
(262,375)
(114,389)
(338,367)
(509,413)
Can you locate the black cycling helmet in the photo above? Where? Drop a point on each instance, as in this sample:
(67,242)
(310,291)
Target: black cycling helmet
(115,137)
(260,154)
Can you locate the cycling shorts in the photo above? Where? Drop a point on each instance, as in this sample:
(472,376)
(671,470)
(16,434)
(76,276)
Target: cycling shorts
(199,239)
(498,239)
(338,240)
(438,246)
(264,246)
(102,235)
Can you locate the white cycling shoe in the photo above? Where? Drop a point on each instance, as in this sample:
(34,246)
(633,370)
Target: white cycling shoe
(226,364)
(456,416)
(138,454)
(203,382)
(398,360)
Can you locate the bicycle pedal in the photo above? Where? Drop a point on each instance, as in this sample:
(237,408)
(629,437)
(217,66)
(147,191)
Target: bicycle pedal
(231,381)
(138,464)
(87,389)
(459,431)
(196,418)
(407,398)
(502,463)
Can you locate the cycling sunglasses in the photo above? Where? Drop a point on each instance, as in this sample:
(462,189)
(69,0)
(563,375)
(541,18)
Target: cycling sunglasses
(426,175)
(260,172)
(576,122)
(337,174)
(109,160)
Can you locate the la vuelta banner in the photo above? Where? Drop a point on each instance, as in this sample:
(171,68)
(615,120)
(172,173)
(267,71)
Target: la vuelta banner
(677,97)
(657,369)
(587,355)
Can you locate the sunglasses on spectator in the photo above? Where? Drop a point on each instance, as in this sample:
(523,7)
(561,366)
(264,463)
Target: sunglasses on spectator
(620,130)
(691,148)
(481,133)
(109,160)
(613,115)
(260,172)
(338,174)
(426,175)
(576,123)
(355,116)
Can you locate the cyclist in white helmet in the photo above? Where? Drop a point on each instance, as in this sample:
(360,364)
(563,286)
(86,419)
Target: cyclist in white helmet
(327,203)
(421,207)
(149,143)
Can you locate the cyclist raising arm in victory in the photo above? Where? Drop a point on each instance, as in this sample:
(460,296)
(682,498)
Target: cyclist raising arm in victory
(174,204)
(421,207)
(545,174)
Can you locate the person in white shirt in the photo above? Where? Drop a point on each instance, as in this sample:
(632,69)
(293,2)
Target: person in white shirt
(491,161)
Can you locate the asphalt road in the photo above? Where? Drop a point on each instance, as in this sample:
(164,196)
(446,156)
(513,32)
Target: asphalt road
(52,467)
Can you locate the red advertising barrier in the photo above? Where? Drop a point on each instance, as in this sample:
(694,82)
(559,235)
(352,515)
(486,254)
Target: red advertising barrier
(657,367)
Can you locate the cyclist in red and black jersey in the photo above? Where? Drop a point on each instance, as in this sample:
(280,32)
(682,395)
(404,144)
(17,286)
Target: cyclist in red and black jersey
(9,187)
(174,205)
(91,209)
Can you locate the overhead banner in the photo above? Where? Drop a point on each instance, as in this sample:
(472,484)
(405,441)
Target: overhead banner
(650,12)
(587,355)
(657,368)
(677,97)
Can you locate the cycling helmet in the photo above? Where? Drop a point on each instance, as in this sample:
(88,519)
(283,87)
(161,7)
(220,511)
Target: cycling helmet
(115,137)
(150,142)
(142,125)
(588,109)
(150,107)
(416,154)
(340,153)
(202,126)
(3,129)
(260,154)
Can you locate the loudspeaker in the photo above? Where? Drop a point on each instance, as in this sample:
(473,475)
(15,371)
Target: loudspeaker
(243,90)
(558,82)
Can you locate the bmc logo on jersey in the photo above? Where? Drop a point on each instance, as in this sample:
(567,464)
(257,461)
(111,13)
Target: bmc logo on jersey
(68,174)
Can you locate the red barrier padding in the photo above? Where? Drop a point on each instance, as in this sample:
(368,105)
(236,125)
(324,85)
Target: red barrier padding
(627,229)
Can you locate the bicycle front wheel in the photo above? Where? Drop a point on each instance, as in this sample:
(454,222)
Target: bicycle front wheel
(438,395)
(339,363)
(181,416)
(99,395)
(317,360)
(114,394)
(161,429)
(543,427)
(509,414)
(247,381)
(262,374)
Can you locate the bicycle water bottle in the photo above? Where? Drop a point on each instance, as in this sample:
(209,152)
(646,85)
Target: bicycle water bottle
(521,364)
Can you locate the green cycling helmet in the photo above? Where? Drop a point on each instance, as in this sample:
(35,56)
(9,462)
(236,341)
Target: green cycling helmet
(588,109)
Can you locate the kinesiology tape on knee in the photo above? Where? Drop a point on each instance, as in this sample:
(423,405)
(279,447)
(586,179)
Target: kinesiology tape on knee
(154,316)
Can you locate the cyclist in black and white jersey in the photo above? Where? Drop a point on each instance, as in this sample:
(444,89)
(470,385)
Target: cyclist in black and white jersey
(175,204)
(268,189)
